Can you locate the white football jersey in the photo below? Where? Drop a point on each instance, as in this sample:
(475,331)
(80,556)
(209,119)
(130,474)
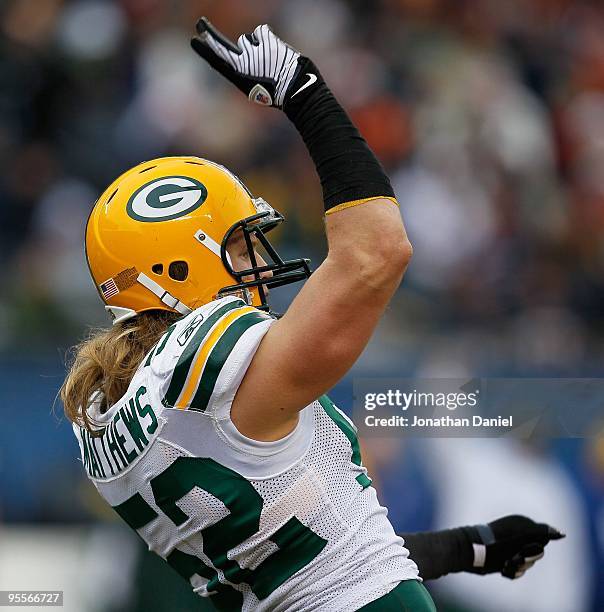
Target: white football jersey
(291,525)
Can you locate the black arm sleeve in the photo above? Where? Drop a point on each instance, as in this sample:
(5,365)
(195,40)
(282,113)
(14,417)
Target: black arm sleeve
(347,168)
(438,553)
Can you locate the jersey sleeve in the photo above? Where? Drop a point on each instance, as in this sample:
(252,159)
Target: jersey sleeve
(208,354)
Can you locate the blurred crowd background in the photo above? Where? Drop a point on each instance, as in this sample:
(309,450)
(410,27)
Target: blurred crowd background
(489,117)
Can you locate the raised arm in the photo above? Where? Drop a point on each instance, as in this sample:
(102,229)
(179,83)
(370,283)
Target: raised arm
(331,320)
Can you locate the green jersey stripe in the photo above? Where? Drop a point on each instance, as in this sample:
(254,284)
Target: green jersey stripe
(344,425)
(181,371)
(349,431)
(160,344)
(219,355)
(363,480)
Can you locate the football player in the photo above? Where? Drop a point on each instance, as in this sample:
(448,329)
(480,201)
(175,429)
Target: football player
(201,417)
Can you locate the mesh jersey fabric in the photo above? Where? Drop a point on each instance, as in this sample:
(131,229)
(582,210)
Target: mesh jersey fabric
(291,525)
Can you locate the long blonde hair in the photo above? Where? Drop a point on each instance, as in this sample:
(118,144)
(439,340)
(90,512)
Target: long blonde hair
(106,361)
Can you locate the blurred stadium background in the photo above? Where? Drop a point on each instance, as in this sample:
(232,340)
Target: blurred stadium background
(489,116)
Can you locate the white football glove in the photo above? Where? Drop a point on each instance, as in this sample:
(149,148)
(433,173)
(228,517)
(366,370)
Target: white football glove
(260,64)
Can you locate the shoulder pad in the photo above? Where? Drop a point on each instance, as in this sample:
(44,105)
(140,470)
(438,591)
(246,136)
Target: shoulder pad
(191,360)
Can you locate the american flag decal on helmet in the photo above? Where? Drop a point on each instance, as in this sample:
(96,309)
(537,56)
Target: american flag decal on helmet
(109,289)
(124,280)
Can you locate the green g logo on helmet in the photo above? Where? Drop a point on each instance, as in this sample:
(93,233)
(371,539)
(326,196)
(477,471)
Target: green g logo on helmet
(166,198)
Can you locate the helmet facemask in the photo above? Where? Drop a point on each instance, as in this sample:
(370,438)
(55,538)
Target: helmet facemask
(284,272)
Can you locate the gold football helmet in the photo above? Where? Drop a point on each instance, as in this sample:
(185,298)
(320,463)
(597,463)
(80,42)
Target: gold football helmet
(157,237)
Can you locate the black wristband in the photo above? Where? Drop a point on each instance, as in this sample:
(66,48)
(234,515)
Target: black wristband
(346,166)
(438,553)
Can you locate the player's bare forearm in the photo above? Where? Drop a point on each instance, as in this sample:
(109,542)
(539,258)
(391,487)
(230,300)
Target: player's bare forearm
(369,243)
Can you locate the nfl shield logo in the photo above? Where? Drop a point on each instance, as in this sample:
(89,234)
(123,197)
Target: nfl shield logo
(260,95)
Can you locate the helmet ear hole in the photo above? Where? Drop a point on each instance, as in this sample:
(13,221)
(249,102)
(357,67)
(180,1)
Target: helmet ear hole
(157,268)
(178,270)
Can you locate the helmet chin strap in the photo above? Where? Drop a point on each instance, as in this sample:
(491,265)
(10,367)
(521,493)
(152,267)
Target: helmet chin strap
(120,314)
(167,298)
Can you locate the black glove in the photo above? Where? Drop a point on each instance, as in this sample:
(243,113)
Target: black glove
(260,64)
(509,545)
